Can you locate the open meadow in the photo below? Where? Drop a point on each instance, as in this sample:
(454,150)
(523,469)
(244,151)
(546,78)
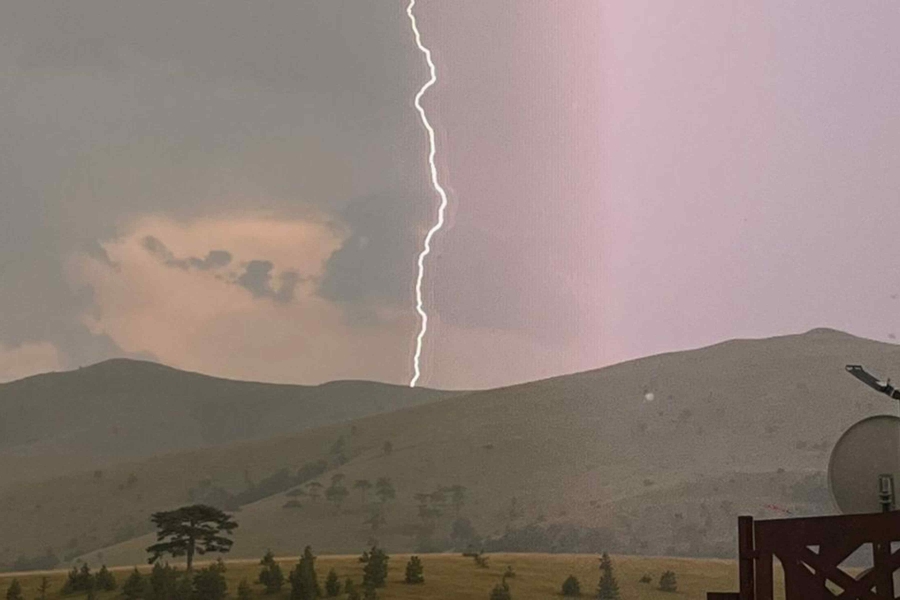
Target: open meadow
(451,576)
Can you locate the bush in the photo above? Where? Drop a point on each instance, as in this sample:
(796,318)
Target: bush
(509,573)
(244,591)
(414,571)
(270,576)
(571,586)
(646,578)
(134,586)
(14,591)
(332,584)
(481,560)
(104,580)
(350,590)
(501,592)
(209,584)
(668,582)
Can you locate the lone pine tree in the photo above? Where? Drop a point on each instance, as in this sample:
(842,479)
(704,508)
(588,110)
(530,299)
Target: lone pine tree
(414,571)
(189,530)
(608,588)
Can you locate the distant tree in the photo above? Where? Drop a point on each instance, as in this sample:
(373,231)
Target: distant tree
(191,529)
(134,586)
(387,448)
(244,592)
(314,488)
(105,580)
(375,520)
(414,571)
(369,593)
(304,582)
(210,584)
(646,578)
(509,573)
(363,485)
(571,587)
(165,583)
(336,494)
(78,580)
(271,576)
(332,584)
(44,587)
(376,569)
(384,489)
(14,591)
(668,582)
(481,560)
(608,588)
(501,591)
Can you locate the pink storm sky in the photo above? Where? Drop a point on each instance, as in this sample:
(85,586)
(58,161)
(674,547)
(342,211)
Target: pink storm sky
(243,192)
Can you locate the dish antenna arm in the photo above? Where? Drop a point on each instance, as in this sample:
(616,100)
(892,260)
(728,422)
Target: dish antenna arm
(873,382)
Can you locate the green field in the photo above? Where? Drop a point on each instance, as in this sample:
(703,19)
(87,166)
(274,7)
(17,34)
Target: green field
(451,576)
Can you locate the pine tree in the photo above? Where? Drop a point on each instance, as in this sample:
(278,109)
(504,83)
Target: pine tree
(45,585)
(668,582)
(134,586)
(244,591)
(414,571)
(210,584)
(271,575)
(14,591)
(332,584)
(608,588)
(571,587)
(105,580)
(375,571)
(304,583)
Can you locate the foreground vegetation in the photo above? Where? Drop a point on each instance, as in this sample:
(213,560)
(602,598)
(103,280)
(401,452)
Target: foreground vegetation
(537,576)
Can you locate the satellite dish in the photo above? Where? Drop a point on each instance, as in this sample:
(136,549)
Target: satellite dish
(860,461)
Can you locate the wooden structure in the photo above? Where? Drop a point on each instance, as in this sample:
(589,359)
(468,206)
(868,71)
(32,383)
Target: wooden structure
(810,551)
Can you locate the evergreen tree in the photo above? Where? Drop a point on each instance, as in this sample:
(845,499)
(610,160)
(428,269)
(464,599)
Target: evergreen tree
(134,586)
(375,571)
(571,587)
(304,582)
(209,584)
(244,591)
(164,583)
(271,575)
(414,571)
(608,588)
(42,590)
(369,593)
(182,586)
(501,591)
(14,591)
(350,590)
(105,580)
(191,529)
(332,584)
(668,582)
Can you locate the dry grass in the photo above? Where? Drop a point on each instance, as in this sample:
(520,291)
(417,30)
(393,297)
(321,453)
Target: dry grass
(538,576)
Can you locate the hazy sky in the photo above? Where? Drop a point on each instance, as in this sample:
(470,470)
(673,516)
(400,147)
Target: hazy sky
(241,188)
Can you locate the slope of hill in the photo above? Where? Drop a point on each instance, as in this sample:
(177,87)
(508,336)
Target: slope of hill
(656,455)
(126,409)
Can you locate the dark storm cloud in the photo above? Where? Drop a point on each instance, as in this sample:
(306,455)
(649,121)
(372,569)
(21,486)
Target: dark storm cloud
(257,278)
(116,109)
(215,259)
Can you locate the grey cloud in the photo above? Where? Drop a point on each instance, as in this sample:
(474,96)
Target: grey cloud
(215,259)
(257,279)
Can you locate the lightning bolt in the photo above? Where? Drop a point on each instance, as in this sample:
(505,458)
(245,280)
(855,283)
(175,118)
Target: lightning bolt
(426,250)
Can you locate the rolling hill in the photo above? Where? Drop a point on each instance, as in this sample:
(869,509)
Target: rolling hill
(653,456)
(126,409)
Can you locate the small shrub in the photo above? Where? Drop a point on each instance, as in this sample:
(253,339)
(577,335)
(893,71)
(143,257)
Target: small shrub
(481,561)
(209,584)
(571,587)
(244,591)
(509,573)
(668,582)
(414,571)
(350,590)
(134,586)
(14,591)
(332,584)
(646,578)
(105,580)
(501,592)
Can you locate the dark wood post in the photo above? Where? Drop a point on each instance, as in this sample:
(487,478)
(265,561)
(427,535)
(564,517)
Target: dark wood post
(746,558)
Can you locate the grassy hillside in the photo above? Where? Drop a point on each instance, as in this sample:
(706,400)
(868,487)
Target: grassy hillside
(538,576)
(577,463)
(124,409)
